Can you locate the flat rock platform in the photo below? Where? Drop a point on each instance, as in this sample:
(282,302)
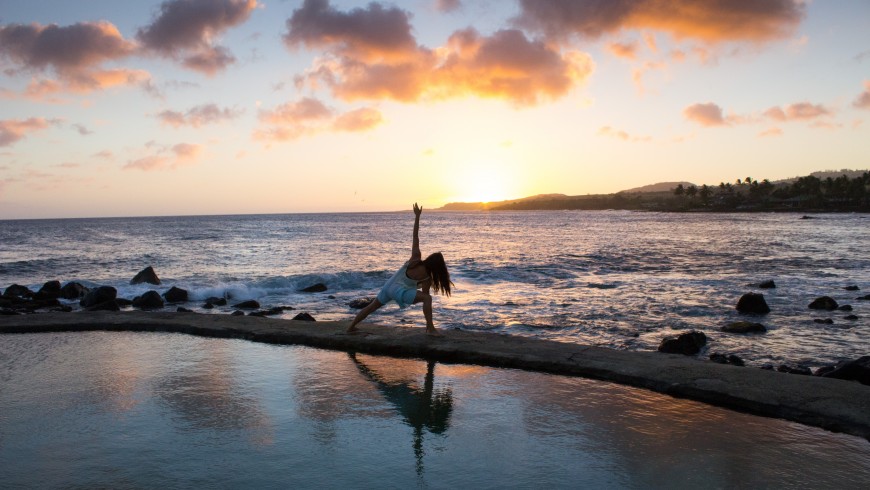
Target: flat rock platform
(832,404)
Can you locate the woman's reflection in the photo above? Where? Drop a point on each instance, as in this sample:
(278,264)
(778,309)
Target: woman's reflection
(425,408)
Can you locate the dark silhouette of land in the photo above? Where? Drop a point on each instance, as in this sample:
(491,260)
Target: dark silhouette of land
(818,192)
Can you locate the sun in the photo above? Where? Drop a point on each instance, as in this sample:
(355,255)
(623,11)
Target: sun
(486,182)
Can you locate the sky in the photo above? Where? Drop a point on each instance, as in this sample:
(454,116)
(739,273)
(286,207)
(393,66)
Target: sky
(190,107)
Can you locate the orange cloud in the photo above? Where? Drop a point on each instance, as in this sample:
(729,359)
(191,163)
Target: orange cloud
(708,114)
(184,30)
(623,50)
(708,20)
(14,130)
(166,158)
(863,100)
(198,116)
(770,132)
(371,54)
(620,134)
(309,116)
(800,111)
(358,120)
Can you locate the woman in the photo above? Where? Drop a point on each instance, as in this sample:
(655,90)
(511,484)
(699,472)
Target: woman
(412,282)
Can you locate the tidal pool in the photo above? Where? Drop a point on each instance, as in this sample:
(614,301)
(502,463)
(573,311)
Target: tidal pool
(148,410)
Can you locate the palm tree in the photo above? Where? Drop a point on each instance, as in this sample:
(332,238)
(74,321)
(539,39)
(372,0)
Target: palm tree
(679,190)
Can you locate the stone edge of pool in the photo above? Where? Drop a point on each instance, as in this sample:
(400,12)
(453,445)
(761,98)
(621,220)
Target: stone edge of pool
(832,404)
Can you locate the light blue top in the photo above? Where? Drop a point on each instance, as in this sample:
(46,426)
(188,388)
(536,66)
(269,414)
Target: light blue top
(399,288)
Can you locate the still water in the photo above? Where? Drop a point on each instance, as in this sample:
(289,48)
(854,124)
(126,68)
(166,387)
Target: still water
(157,410)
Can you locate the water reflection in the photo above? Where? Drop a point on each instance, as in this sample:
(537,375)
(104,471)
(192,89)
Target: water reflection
(423,408)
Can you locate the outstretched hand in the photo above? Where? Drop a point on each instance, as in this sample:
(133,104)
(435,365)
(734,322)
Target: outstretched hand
(417,210)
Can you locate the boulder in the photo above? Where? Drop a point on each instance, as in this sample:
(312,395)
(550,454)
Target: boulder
(823,303)
(852,288)
(727,359)
(110,305)
(183,310)
(744,327)
(122,302)
(767,285)
(855,370)
(866,297)
(803,370)
(99,295)
(824,321)
(305,317)
(18,290)
(752,303)
(845,307)
(208,306)
(238,313)
(248,305)
(73,290)
(850,317)
(316,288)
(360,303)
(175,295)
(215,301)
(146,275)
(148,301)
(51,289)
(687,343)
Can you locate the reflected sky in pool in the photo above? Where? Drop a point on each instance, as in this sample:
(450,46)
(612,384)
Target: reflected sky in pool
(133,410)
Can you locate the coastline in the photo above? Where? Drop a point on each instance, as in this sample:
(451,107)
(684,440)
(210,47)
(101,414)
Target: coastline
(832,404)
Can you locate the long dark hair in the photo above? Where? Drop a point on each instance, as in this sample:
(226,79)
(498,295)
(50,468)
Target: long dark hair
(438,271)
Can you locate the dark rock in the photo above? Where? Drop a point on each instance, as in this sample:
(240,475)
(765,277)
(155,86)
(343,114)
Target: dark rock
(845,307)
(825,321)
(110,305)
(865,297)
(744,327)
(752,303)
(808,217)
(73,290)
(8,312)
(331,296)
(767,285)
(316,288)
(51,289)
(99,295)
(183,310)
(823,303)
(802,370)
(360,303)
(63,308)
(148,301)
(217,301)
(146,275)
(735,360)
(719,358)
(824,370)
(208,306)
(305,317)
(276,310)
(687,343)
(238,313)
(855,370)
(19,291)
(248,305)
(767,366)
(852,288)
(123,302)
(850,317)
(260,313)
(175,295)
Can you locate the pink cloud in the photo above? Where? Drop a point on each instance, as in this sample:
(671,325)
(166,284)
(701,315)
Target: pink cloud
(358,120)
(708,114)
(166,158)
(198,116)
(309,116)
(447,6)
(863,100)
(770,132)
(708,20)
(623,50)
(621,135)
(184,30)
(801,111)
(14,130)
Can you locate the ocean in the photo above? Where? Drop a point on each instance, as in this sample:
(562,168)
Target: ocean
(617,279)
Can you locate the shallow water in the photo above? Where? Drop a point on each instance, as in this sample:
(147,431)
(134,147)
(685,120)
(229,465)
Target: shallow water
(155,410)
(611,278)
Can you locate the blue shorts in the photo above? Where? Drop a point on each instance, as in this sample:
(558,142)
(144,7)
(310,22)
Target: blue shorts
(396,292)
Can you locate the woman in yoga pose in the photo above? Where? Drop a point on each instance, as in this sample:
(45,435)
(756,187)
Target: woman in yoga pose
(411,283)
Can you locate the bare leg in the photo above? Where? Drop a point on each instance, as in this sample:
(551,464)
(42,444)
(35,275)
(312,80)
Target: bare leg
(374,305)
(426,299)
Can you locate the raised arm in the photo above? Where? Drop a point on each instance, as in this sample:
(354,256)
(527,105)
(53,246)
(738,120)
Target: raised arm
(415,247)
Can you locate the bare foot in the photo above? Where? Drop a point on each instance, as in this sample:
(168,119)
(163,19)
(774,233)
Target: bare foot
(431,332)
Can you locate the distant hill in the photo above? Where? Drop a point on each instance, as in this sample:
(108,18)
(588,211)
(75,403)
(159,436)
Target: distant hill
(477,206)
(660,187)
(824,174)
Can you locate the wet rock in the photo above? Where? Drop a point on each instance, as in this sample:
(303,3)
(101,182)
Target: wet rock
(208,306)
(260,313)
(331,296)
(146,275)
(802,370)
(850,317)
(767,366)
(73,290)
(845,307)
(316,288)
(248,305)
(752,303)
(732,359)
(19,291)
(110,305)
(855,370)
(808,217)
(744,327)
(767,285)
(183,310)
(63,309)
(823,303)
(99,295)
(305,317)
(865,297)
(51,289)
(215,301)
(360,303)
(238,313)
(123,302)
(824,321)
(824,370)
(852,288)
(148,301)
(175,295)
(687,343)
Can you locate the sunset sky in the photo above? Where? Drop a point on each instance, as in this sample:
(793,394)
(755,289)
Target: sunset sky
(116,108)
